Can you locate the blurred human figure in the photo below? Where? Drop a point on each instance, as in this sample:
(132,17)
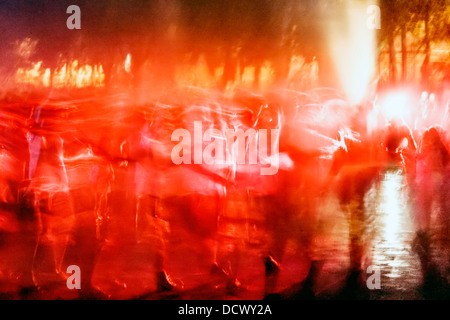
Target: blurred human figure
(292,201)
(355,169)
(90,178)
(398,140)
(233,220)
(152,216)
(291,213)
(52,201)
(215,209)
(432,194)
(16,232)
(400,145)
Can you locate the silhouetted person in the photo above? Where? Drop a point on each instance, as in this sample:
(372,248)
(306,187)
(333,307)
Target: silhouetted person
(356,168)
(432,191)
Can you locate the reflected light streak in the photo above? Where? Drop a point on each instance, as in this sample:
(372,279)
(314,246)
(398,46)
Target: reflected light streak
(127,64)
(392,207)
(391,249)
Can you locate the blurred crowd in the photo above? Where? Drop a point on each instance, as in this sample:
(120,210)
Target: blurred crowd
(80,174)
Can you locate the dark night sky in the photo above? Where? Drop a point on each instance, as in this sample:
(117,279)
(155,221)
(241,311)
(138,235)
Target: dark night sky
(111,28)
(104,23)
(44,20)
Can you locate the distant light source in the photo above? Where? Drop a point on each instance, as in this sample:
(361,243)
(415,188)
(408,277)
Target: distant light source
(353,48)
(424,96)
(396,104)
(127,65)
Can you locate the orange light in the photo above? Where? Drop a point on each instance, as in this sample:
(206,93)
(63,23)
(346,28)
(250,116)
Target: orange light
(127,64)
(70,75)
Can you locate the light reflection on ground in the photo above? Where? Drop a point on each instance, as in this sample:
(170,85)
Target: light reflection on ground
(392,244)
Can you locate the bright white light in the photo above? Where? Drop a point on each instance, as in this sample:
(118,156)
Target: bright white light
(391,206)
(424,96)
(396,104)
(353,45)
(395,229)
(127,64)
